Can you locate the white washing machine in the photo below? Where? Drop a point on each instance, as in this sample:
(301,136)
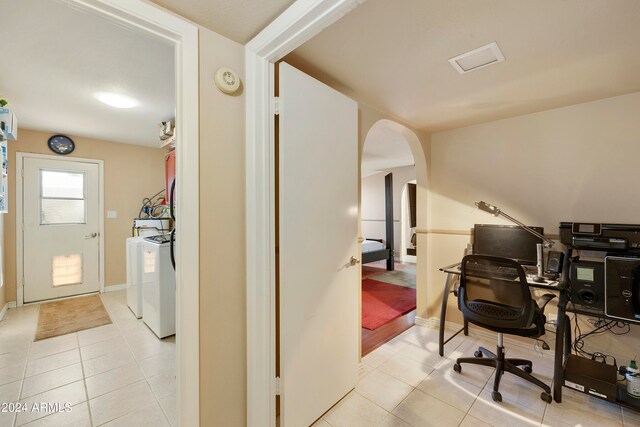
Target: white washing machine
(134,275)
(158,286)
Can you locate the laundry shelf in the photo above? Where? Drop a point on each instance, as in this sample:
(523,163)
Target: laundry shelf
(4,178)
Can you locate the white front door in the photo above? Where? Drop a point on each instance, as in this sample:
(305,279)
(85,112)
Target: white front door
(318,230)
(61,228)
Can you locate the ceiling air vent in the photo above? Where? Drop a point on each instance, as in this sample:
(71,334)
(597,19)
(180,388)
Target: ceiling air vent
(477,58)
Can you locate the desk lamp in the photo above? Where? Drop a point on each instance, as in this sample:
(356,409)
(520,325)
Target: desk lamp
(548,243)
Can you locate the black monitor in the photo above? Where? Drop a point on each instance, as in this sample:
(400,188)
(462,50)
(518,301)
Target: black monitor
(507,241)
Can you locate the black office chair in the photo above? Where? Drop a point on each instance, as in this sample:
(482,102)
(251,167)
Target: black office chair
(494,294)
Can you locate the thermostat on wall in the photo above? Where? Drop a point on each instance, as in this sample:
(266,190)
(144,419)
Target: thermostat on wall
(227,80)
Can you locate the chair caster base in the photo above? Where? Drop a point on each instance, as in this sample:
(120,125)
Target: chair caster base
(545,396)
(477,353)
(527,369)
(457,368)
(496,396)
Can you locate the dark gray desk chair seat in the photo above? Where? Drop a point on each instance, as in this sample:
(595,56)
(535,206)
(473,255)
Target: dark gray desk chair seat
(494,294)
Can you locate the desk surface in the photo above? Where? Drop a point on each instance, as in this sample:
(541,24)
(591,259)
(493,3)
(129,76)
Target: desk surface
(547,284)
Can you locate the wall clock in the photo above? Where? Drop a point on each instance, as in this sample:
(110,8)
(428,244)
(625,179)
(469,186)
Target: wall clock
(61,144)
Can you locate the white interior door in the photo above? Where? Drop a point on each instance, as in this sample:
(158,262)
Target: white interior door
(318,229)
(61,228)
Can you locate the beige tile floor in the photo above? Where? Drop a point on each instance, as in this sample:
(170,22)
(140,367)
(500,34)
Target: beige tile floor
(114,375)
(406,383)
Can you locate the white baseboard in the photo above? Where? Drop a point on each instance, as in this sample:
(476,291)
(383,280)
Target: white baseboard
(12,304)
(421,321)
(4,311)
(434,323)
(113,288)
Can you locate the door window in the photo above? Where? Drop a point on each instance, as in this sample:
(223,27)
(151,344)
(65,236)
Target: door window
(62,197)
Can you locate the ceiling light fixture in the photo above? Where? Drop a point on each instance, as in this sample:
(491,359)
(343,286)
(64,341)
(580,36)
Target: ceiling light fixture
(116,100)
(477,58)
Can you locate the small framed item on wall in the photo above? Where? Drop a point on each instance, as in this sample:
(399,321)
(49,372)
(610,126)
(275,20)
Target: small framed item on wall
(61,144)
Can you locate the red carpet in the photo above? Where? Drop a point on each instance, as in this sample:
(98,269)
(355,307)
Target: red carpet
(382,302)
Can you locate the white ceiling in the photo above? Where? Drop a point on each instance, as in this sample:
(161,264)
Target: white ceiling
(239,20)
(385,148)
(55,57)
(393,56)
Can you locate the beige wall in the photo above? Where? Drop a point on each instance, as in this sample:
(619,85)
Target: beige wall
(578,163)
(222,239)
(131,173)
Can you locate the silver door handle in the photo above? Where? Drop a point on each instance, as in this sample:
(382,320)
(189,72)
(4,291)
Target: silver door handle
(91,236)
(354,261)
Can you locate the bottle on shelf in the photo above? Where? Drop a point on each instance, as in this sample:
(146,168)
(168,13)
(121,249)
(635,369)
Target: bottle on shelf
(633,379)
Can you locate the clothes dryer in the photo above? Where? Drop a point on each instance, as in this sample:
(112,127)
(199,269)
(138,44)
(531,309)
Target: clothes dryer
(158,286)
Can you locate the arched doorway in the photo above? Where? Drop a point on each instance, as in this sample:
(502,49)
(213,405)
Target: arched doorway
(391,152)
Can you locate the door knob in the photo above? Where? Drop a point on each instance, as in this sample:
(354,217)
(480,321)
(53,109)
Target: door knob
(91,236)
(354,261)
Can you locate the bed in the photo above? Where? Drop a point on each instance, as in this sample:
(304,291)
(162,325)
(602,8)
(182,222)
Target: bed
(374,250)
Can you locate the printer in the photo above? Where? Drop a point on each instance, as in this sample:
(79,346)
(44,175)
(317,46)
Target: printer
(616,238)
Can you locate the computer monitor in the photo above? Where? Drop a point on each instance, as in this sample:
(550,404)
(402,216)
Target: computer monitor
(507,241)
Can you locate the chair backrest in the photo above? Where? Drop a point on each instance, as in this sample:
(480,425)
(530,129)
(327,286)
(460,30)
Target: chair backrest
(494,293)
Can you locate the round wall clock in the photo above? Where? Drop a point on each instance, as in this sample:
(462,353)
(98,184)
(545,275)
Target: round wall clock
(61,144)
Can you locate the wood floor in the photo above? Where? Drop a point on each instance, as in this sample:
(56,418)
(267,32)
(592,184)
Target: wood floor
(374,339)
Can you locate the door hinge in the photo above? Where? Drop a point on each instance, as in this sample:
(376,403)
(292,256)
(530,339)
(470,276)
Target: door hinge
(276,105)
(277,385)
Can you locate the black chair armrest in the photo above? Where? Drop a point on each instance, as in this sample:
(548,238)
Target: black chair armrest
(544,300)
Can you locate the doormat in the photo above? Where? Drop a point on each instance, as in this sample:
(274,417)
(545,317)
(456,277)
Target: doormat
(70,315)
(383,302)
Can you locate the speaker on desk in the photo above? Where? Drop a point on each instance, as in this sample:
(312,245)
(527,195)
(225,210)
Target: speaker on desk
(587,296)
(554,262)
(587,284)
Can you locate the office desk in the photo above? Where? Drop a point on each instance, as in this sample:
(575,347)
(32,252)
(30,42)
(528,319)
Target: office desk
(453,272)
